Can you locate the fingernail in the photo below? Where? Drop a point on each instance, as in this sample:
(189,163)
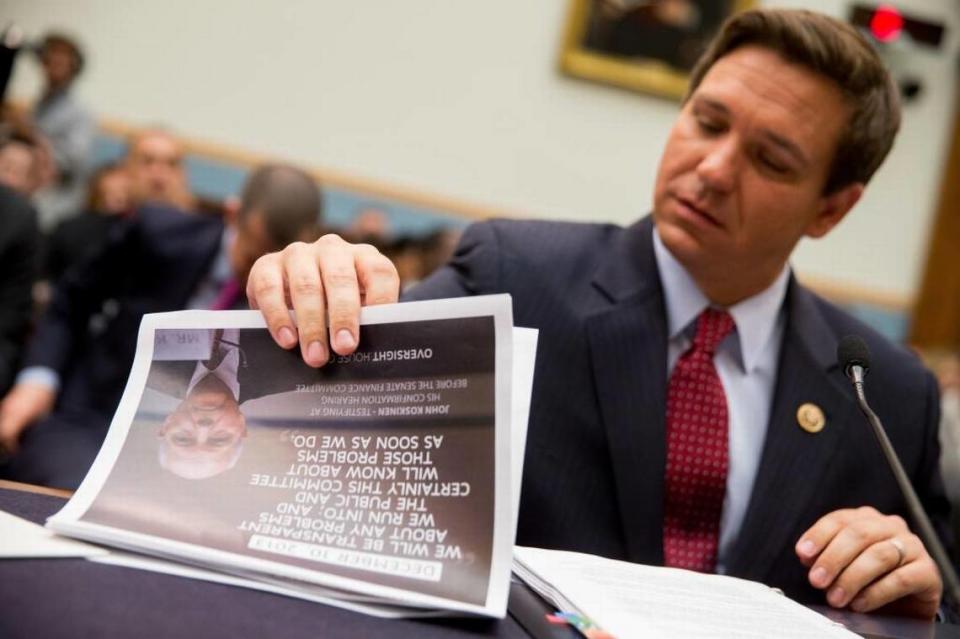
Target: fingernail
(344,339)
(806,548)
(818,576)
(316,354)
(286,336)
(859,604)
(837,597)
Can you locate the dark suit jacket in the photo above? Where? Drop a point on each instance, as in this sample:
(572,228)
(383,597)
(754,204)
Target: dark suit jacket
(152,263)
(74,239)
(593,476)
(19,243)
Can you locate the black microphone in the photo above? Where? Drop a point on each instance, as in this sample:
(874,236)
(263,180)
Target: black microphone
(854,358)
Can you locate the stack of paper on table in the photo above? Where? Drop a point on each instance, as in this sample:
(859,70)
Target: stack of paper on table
(385,482)
(633,600)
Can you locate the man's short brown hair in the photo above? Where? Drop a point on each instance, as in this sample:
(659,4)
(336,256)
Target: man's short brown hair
(288,200)
(55,39)
(837,51)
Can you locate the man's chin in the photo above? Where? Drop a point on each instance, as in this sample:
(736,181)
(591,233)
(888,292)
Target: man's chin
(682,242)
(208,401)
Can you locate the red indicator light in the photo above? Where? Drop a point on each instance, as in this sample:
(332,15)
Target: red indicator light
(886,23)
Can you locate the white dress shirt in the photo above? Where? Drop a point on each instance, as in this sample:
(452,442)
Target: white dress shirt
(746,362)
(227,370)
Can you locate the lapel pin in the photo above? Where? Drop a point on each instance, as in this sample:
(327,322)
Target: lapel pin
(811,418)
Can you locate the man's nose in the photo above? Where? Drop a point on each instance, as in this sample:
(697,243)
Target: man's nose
(719,167)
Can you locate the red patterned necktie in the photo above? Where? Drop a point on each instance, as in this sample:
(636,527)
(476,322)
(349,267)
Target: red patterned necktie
(697,451)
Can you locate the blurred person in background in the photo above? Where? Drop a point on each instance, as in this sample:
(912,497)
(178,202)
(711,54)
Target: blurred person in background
(155,165)
(152,173)
(75,238)
(417,257)
(20,164)
(64,129)
(161,259)
(19,240)
(370,225)
(437,248)
(404,252)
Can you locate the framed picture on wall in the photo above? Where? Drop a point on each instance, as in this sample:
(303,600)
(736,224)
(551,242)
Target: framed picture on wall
(642,45)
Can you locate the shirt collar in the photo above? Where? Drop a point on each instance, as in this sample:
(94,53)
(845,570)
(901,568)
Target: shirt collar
(755,317)
(227,370)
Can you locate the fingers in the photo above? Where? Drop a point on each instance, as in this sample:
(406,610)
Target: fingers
(878,559)
(919,578)
(377,275)
(850,535)
(342,288)
(821,533)
(265,290)
(307,296)
(326,283)
(864,559)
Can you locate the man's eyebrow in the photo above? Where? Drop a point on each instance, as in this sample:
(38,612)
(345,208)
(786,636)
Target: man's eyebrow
(715,105)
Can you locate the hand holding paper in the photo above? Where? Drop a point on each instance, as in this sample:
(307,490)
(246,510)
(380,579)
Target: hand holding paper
(326,283)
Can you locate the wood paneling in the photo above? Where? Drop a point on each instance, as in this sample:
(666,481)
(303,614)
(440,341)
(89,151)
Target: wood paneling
(936,316)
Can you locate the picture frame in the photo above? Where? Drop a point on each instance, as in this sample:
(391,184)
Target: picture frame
(646,46)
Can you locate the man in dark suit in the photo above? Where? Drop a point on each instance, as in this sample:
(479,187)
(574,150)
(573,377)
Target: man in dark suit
(688,409)
(77,237)
(19,242)
(162,259)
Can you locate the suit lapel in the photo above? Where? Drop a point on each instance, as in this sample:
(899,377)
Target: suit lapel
(793,460)
(627,339)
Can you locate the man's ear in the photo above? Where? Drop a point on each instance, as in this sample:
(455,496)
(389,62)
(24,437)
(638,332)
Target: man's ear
(833,208)
(231,210)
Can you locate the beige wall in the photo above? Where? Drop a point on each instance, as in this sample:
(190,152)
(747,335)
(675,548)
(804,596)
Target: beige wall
(457,98)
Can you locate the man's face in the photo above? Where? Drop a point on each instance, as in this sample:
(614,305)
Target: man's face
(113,192)
(155,168)
(18,168)
(742,175)
(201,438)
(251,242)
(58,65)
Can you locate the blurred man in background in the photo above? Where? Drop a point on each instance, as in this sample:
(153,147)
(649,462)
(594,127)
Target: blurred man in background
(155,167)
(19,243)
(152,173)
(64,130)
(20,164)
(83,235)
